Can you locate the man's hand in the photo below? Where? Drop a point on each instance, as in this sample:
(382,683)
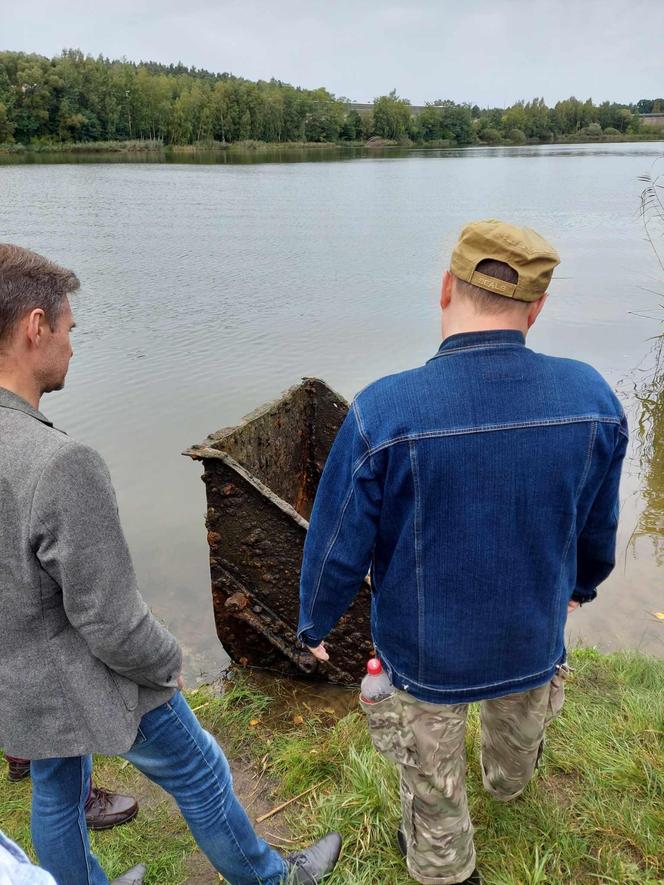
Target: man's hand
(319,652)
(572,605)
(181,682)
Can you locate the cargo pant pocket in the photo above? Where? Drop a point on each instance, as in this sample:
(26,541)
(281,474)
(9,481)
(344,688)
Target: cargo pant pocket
(438,735)
(388,731)
(556,693)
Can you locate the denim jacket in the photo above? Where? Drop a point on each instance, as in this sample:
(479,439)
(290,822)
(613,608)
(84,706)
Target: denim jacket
(481,490)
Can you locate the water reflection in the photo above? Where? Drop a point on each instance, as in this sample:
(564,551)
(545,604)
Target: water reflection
(324,153)
(240,157)
(306,697)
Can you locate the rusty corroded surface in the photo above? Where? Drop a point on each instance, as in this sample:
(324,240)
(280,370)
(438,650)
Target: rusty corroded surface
(261,478)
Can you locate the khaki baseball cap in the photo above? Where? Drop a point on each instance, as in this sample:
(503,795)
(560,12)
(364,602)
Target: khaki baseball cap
(526,252)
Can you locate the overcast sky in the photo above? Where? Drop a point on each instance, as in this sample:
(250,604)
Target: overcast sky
(489,52)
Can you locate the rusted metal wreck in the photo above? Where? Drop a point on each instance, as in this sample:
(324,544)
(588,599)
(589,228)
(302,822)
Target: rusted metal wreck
(261,478)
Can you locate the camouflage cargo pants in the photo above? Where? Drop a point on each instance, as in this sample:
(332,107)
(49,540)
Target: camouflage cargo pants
(427,742)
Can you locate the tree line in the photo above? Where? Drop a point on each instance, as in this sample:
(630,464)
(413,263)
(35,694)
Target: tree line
(77,98)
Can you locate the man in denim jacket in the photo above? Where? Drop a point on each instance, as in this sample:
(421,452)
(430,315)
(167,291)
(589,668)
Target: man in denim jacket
(481,490)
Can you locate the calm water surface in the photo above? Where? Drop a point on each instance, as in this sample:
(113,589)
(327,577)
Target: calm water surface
(209,288)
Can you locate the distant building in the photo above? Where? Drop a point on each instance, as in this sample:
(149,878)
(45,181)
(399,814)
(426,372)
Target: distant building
(652,119)
(364,107)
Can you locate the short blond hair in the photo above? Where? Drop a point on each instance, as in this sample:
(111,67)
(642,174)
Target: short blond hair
(490,302)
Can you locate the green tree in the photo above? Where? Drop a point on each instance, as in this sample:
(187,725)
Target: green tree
(488,118)
(490,135)
(634,125)
(517,136)
(76,97)
(514,118)
(324,118)
(572,115)
(391,116)
(6,126)
(456,121)
(430,122)
(593,130)
(537,120)
(622,119)
(352,128)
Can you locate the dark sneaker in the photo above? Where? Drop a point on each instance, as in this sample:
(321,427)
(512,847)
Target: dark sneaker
(104,810)
(134,876)
(18,770)
(473,879)
(314,863)
(401,842)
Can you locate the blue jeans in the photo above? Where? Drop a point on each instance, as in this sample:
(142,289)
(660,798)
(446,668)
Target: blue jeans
(174,751)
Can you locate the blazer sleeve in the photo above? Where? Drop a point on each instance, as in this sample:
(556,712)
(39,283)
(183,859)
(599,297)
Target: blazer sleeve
(78,539)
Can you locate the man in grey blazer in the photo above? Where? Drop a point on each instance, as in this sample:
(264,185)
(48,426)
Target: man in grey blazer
(84,666)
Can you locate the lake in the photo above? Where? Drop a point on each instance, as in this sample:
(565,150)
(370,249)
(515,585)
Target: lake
(210,287)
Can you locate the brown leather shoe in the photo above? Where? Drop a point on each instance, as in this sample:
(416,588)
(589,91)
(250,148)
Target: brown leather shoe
(104,809)
(18,769)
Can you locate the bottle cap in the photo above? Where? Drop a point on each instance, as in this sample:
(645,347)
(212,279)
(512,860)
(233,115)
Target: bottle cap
(374,667)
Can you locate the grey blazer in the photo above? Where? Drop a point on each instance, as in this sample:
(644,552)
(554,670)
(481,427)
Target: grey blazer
(81,656)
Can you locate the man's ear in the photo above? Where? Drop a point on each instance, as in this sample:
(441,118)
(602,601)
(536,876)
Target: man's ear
(446,290)
(535,309)
(34,326)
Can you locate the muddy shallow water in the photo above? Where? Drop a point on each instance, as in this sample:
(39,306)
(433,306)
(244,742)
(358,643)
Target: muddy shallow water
(208,289)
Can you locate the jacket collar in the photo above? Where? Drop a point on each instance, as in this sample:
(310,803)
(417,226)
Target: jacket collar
(475,340)
(10,400)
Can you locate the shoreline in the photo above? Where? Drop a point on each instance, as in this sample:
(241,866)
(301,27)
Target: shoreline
(154,148)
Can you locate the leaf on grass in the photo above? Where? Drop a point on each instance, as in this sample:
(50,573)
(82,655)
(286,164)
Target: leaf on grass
(298,720)
(659,615)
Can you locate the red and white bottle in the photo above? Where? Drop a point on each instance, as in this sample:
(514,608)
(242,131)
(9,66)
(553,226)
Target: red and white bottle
(376,685)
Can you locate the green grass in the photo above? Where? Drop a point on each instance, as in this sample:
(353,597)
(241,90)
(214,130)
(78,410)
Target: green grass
(145,145)
(83,147)
(594,814)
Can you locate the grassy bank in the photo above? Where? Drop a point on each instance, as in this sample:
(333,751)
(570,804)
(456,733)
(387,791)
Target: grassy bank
(145,146)
(155,147)
(594,814)
(138,146)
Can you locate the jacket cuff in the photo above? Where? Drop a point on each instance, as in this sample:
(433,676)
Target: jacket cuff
(164,676)
(583,596)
